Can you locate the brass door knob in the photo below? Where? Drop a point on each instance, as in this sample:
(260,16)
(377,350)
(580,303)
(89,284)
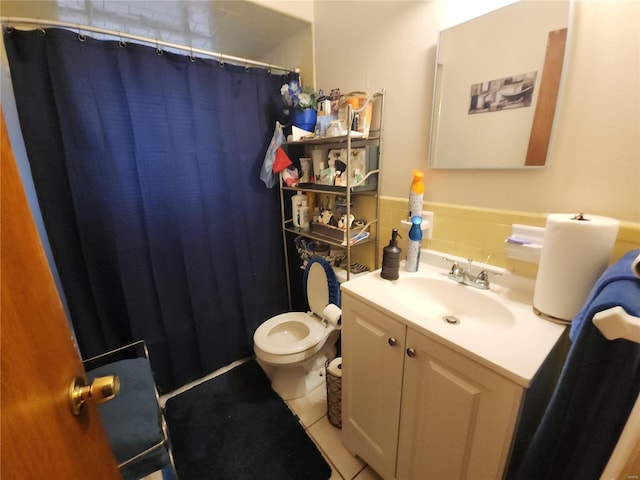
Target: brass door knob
(102,389)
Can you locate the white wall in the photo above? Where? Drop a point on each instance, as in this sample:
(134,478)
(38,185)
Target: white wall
(595,157)
(302,9)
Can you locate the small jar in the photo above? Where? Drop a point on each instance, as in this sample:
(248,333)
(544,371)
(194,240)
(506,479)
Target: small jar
(333,130)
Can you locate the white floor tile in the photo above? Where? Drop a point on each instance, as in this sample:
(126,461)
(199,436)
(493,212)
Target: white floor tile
(329,439)
(368,474)
(312,407)
(334,474)
(154,476)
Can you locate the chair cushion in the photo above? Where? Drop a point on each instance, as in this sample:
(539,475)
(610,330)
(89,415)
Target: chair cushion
(132,418)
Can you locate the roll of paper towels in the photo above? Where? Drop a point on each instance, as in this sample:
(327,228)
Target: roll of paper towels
(335,367)
(332,314)
(575,252)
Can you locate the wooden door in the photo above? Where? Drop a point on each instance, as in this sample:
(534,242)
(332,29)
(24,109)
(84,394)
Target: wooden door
(41,438)
(372,358)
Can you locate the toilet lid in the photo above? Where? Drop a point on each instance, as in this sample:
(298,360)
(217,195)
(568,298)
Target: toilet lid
(322,285)
(317,289)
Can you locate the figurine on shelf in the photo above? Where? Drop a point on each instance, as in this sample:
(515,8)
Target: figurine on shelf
(342,223)
(327,218)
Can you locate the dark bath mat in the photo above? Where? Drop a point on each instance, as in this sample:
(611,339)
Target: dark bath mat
(235,427)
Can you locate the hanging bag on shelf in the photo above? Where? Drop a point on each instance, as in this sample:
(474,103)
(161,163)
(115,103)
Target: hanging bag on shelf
(267,174)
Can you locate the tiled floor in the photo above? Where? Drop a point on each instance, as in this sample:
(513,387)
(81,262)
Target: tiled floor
(312,412)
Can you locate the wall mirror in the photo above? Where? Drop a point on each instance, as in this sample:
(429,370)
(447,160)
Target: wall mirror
(496,86)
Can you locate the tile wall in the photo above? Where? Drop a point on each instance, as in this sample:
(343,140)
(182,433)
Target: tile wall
(478,233)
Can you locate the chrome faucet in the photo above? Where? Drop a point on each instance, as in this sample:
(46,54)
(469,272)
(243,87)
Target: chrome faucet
(460,275)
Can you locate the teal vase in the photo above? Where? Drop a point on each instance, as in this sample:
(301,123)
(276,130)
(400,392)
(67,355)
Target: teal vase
(304,119)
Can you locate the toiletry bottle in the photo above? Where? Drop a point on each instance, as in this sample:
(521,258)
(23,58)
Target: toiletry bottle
(415,242)
(357,176)
(304,215)
(391,258)
(296,205)
(416,194)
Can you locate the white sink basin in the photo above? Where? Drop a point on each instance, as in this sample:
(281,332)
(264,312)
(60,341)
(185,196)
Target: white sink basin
(495,327)
(457,305)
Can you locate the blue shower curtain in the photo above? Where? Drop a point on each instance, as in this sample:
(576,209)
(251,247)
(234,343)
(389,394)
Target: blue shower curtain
(146,166)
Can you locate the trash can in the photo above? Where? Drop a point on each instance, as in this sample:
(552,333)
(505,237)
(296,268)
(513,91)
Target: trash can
(334,391)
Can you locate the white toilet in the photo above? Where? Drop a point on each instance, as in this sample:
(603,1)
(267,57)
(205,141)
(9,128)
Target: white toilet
(293,347)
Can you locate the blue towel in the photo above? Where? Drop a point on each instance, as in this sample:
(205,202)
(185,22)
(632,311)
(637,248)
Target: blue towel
(596,391)
(621,270)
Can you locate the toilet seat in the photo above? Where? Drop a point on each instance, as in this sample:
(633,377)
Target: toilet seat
(296,332)
(285,334)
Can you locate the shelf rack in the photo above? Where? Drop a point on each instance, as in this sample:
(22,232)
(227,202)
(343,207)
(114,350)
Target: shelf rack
(362,188)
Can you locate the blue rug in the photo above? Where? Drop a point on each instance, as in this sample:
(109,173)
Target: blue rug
(235,427)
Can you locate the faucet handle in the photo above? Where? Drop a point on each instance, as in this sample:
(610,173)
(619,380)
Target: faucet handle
(456,271)
(482,280)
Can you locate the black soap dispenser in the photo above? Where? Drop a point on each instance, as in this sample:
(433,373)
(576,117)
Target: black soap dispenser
(391,258)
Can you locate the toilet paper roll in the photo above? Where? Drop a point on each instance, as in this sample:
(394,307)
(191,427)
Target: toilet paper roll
(335,367)
(635,266)
(332,314)
(576,251)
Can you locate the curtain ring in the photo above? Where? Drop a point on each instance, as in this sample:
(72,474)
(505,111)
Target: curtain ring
(221,61)
(42,31)
(159,51)
(269,70)
(122,43)
(192,56)
(8,29)
(81,36)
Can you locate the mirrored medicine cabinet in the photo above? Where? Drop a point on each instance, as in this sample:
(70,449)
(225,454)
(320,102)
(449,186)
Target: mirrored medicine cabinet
(497,81)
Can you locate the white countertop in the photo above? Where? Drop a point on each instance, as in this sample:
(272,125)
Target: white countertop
(517,351)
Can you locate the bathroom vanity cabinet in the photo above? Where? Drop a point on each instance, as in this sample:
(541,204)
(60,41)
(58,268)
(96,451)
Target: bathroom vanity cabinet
(414,408)
(356,194)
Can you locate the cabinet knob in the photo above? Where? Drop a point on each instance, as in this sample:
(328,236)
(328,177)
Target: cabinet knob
(392,341)
(411,352)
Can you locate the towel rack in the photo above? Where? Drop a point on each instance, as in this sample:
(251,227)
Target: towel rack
(615,322)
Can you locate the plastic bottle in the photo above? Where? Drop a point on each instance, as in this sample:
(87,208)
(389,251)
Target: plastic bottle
(414,244)
(304,215)
(416,194)
(357,176)
(391,258)
(296,205)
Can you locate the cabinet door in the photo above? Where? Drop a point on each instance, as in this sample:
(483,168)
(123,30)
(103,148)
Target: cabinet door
(457,418)
(372,358)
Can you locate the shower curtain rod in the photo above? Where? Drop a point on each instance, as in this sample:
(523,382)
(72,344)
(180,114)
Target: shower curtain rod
(37,22)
